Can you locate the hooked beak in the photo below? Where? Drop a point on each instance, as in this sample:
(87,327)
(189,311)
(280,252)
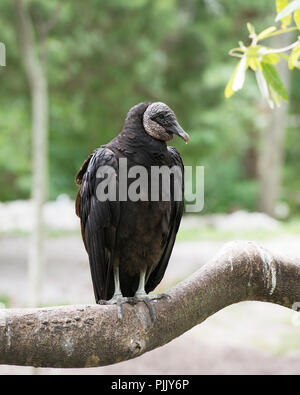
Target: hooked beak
(177,129)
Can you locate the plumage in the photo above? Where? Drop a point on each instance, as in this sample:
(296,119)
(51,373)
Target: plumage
(127,238)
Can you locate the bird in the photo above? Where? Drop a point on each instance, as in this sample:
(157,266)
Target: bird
(129,243)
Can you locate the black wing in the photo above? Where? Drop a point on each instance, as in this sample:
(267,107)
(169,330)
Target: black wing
(175,219)
(99,221)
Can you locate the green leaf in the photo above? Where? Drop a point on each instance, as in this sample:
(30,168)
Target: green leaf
(263,86)
(280,6)
(297,17)
(291,7)
(281,31)
(264,34)
(294,59)
(273,79)
(237,79)
(253,63)
(228,90)
(271,58)
(250,28)
(276,98)
(284,56)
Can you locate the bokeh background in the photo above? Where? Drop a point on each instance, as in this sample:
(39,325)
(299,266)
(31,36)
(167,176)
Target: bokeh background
(103,57)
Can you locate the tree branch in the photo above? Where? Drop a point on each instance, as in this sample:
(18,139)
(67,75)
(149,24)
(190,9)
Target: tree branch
(91,335)
(26,35)
(46,26)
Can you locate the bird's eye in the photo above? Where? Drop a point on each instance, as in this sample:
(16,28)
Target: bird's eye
(160,117)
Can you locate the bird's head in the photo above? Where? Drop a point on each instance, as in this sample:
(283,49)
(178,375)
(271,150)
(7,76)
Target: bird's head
(160,123)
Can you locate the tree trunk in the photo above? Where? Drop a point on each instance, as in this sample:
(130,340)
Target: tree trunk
(271,152)
(39,189)
(92,335)
(36,74)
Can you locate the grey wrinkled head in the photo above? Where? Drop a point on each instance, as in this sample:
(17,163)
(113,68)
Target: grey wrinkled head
(160,123)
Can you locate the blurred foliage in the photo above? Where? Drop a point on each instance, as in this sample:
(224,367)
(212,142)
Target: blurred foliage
(104,56)
(261,59)
(4,301)
(206,232)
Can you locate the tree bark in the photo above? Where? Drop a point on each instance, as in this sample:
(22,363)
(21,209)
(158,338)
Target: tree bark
(91,335)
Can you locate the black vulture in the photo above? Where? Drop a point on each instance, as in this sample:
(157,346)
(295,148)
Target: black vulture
(129,243)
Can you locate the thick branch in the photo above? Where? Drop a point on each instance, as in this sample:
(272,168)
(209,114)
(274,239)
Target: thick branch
(91,335)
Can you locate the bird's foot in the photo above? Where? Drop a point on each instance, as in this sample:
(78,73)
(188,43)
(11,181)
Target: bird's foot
(147,299)
(118,300)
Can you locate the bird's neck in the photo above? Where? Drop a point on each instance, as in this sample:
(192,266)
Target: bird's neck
(136,144)
(139,140)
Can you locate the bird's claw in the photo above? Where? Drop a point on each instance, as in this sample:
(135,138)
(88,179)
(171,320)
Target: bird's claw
(117,300)
(147,299)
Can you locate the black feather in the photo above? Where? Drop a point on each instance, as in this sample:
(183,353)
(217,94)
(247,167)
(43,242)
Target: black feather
(138,234)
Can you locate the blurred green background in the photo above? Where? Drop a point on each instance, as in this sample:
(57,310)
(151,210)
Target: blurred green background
(105,56)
